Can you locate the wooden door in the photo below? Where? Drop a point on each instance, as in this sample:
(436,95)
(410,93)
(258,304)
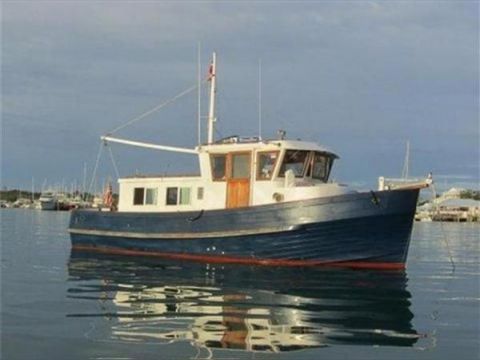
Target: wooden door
(238,179)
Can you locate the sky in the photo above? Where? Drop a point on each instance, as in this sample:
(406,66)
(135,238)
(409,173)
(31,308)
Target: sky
(361,77)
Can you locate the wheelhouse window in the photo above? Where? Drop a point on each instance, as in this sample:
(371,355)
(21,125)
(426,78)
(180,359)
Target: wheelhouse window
(138,195)
(322,164)
(295,160)
(219,166)
(266,164)
(151,196)
(310,164)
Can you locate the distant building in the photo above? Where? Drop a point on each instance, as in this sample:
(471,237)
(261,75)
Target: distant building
(455,209)
(453,193)
(450,207)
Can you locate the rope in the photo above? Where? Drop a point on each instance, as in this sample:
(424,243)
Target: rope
(131,121)
(444,235)
(113,162)
(156,108)
(218,132)
(445,239)
(94,174)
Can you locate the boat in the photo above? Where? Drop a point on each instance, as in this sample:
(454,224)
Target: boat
(256,201)
(23,203)
(49,200)
(54,200)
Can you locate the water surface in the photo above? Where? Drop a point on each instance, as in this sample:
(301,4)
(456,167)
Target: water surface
(62,305)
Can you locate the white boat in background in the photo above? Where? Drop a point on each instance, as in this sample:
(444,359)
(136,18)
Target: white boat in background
(22,203)
(77,202)
(49,200)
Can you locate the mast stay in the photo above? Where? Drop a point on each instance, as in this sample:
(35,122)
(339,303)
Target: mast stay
(211,117)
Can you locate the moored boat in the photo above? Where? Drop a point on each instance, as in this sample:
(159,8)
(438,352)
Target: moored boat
(54,200)
(255,201)
(49,200)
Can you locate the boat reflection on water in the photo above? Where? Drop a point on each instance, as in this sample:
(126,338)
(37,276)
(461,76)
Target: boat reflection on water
(239,307)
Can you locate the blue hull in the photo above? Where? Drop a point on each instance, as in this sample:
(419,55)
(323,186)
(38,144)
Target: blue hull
(358,230)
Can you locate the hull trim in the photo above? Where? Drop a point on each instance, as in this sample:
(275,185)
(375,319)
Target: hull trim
(365,264)
(190,235)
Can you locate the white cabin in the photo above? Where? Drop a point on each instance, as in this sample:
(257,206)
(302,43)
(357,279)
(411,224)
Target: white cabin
(237,172)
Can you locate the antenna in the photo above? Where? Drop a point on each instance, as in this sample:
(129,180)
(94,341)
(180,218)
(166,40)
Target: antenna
(260,99)
(84,186)
(406,162)
(199,97)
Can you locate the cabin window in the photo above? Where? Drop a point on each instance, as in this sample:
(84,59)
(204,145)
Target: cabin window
(138,195)
(184,196)
(294,160)
(240,166)
(151,196)
(266,164)
(321,166)
(219,166)
(178,196)
(200,193)
(172,194)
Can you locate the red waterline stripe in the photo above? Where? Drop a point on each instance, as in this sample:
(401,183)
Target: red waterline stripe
(241,260)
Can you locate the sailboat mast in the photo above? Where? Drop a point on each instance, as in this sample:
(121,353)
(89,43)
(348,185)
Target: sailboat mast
(84,187)
(211,110)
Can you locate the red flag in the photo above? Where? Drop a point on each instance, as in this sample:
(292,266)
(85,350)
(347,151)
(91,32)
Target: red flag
(210,72)
(108,196)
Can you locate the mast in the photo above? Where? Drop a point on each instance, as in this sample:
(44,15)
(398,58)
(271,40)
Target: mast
(199,97)
(259,99)
(211,111)
(84,187)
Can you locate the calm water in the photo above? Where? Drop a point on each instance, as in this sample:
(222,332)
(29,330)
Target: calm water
(58,305)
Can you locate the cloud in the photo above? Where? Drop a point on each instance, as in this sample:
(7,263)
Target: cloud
(360,76)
